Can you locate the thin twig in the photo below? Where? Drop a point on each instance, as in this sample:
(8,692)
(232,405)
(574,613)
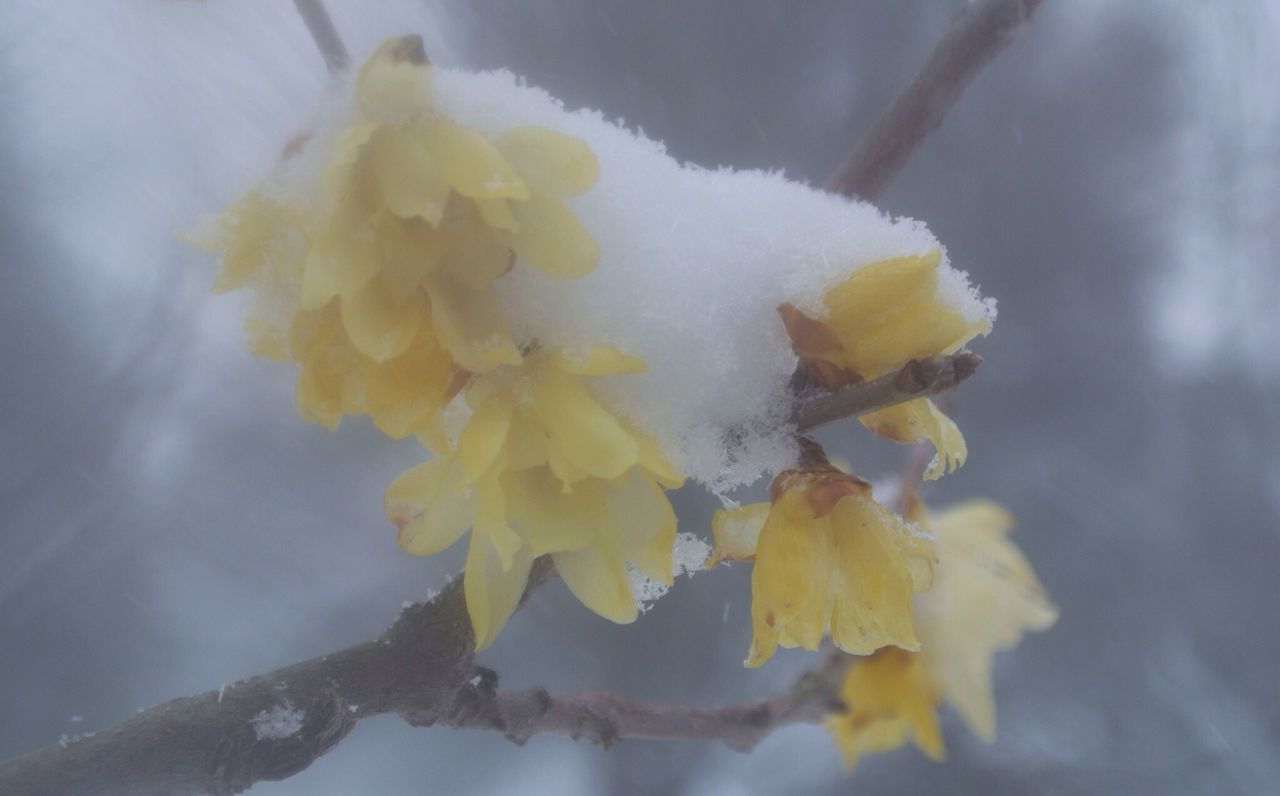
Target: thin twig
(916,379)
(324,33)
(972,39)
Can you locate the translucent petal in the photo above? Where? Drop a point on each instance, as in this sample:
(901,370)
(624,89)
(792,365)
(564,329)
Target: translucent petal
(492,592)
(563,467)
(588,435)
(647,524)
(497,213)
(552,162)
(921,419)
(550,520)
(264,337)
(553,239)
(409,173)
(594,360)
(984,599)
(470,164)
(245,233)
(491,517)
(394,82)
(426,502)
(470,325)
(482,438)
(598,577)
(410,251)
(380,324)
(653,460)
(343,258)
(872,590)
(889,312)
(403,393)
(789,581)
(347,152)
(476,254)
(526,445)
(889,698)
(735,532)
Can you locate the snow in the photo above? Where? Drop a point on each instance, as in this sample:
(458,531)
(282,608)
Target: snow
(280,721)
(687,557)
(693,265)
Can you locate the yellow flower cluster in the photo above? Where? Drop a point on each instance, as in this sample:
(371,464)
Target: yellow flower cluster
(380,290)
(541,467)
(985,597)
(878,319)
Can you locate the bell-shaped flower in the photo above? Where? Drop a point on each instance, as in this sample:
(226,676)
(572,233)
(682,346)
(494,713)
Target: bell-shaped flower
(875,321)
(828,559)
(541,467)
(985,597)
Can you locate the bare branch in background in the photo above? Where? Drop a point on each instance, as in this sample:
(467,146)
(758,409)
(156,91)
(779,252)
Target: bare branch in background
(325,34)
(274,725)
(972,39)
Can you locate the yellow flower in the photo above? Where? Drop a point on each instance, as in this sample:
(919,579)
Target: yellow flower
(890,698)
(872,323)
(828,558)
(984,598)
(428,213)
(379,289)
(541,467)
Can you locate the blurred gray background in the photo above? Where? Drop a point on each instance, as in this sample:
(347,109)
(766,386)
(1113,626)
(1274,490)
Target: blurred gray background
(168,524)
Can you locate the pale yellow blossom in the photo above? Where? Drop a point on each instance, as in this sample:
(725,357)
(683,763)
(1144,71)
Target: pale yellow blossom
(875,321)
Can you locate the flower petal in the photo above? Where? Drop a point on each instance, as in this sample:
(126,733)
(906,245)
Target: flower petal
(921,419)
(647,524)
(343,257)
(594,360)
(483,437)
(586,433)
(554,163)
(873,589)
(492,591)
(598,577)
(427,503)
(552,239)
(491,518)
(789,580)
(381,324)
(735,532)
(403,393)
(395,81)
(476,253)
(470,325)
(409,173)
(470,164)
(550,520)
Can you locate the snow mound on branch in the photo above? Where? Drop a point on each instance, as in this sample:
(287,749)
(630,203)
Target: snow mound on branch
(693,264)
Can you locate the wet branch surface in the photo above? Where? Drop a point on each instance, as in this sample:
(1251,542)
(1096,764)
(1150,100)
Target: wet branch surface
(271,726)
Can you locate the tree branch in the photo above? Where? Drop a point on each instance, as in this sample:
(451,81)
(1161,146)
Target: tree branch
(272,726)
(916,379)
(324,33)
(603,718)
(972,39)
